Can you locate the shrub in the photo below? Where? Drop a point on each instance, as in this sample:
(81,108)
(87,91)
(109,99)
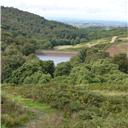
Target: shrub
(37,78)
(122,61)
(33,70)
(63,68)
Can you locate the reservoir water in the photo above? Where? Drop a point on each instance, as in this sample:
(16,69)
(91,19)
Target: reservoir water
(56,59)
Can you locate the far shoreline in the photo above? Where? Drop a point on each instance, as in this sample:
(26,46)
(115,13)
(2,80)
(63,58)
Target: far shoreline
(56,53)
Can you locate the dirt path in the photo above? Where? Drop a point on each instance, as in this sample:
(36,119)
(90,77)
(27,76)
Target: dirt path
(82,45)
(113,39)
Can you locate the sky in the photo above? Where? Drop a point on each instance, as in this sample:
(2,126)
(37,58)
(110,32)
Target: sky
(114,10)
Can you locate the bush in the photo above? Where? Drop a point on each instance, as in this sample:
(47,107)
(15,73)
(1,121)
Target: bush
(63,68)
(100,71)
(37,78)
(122,61)
(13,114)
(82,75)
(33,70)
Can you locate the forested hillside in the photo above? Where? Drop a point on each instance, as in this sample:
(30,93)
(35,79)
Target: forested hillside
(29,25)
(88,91)
(45,33)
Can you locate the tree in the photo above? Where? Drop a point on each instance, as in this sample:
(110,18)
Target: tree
(122,61)
(48,67)
(37,78)
(27,69)
(9,64)
(82,74)
(32,70)
(63,68)
(28,48)
(82,55)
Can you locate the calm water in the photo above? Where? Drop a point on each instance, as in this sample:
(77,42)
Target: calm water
(55,59)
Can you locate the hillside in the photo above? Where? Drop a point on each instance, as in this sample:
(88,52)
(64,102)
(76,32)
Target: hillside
(119,46)
(47,34)
(27,24)
(90,90)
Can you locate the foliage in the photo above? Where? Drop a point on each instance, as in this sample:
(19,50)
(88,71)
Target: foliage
(63,68)
(82,55)
(90,107)
(14,114)
(48,67)
(10,63)
(48,33)
(97,72)
(28,48)
(122,61)
(32,70)
(93,54)
(37,78)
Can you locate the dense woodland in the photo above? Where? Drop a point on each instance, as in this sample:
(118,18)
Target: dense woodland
(67,86)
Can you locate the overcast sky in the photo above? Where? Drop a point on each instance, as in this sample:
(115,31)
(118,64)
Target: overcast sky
(74,9)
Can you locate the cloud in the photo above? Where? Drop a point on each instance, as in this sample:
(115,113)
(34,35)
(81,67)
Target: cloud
(87,9)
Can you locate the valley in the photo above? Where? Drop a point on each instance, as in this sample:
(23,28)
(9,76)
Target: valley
(55,75)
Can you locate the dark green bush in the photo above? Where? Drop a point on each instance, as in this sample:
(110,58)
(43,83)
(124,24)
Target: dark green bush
(63,68)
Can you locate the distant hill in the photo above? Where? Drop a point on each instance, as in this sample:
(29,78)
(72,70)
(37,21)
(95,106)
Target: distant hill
(95,23)
(27,24)
(21,24)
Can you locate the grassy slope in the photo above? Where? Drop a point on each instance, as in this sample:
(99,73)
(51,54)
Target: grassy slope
(45,116)
(48,117)
(113,46)
(119,46)
(84,44)
(14,114)
(29,103)
(40,110)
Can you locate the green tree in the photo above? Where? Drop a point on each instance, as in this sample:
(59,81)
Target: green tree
(34,69)
(63,68)
(9,64)
(48,67)
(37,78)
(82,74)
(82,55)
(122,61)
(28,48)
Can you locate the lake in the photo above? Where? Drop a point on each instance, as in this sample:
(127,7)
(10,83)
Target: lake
(56,59)
(56,56)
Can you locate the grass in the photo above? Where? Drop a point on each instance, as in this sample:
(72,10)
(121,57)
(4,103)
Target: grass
(46,117)
(18,111)
(84,44)
(111,93)
(30,104)
(104,107)
(14,114)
